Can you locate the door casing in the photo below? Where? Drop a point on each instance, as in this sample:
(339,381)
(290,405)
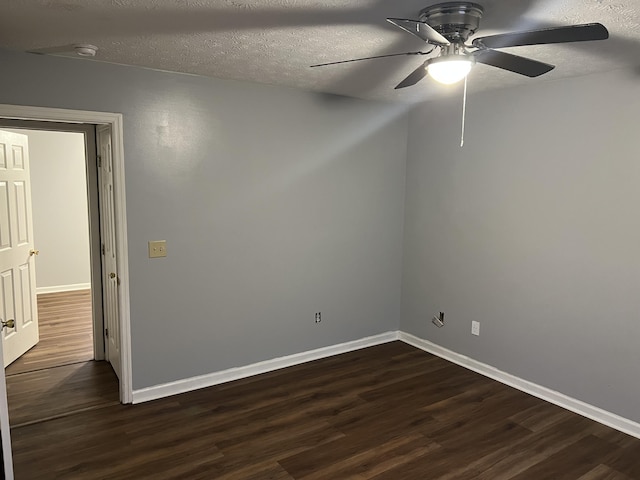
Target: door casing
(85,121)
(7,461)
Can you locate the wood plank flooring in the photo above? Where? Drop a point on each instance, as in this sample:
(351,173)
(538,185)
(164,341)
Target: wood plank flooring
(52,392)
(385,412)
(54,378)
(66,332)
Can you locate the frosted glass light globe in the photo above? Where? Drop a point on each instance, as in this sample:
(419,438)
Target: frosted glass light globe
(449,71)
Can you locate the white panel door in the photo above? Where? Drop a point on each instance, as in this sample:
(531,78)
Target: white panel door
(17,261)
(110,280)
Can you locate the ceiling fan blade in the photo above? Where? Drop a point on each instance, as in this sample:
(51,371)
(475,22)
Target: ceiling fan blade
(420,30)
(573,33)
(371,58)
(513,63)
(414,77)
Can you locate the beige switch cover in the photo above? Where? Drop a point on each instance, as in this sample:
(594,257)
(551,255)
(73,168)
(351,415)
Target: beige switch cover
(158,248)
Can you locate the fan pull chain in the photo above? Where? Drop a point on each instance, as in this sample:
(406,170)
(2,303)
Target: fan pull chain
(464,111)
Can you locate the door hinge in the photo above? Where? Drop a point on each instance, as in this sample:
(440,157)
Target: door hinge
(102,249)
(106,332)
(99,161)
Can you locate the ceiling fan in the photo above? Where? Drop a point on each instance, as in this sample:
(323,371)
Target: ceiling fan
(447,27)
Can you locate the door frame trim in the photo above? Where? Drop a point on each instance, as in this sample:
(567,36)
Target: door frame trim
(115,120)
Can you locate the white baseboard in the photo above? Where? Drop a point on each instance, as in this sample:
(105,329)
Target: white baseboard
(63,288)
(577,406)
(202,381)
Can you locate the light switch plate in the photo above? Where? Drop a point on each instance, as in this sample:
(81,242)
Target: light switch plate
(157,248)
(475,327)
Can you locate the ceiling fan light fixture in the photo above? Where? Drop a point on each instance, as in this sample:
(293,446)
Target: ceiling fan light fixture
(449,70)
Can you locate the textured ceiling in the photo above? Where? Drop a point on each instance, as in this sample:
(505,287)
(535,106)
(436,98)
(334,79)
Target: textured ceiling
(275,41)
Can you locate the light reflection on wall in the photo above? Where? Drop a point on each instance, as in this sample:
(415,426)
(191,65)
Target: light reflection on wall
(180,127)
(279,180)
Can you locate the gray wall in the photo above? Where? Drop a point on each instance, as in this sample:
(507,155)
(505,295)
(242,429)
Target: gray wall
(59,204)
(274,203)
(532,229)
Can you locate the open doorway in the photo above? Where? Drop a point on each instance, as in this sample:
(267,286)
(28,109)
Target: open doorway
(60,212)
(57,373)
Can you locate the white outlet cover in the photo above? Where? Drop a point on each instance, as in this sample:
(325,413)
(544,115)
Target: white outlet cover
(475,327)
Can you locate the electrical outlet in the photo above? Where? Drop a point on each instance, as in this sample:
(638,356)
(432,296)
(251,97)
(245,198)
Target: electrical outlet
(475,327)
(318,317)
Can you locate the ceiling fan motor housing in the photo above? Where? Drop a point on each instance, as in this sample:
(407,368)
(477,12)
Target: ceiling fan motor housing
(456,21)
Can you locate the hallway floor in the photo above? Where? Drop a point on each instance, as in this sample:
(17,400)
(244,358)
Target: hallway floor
(58,376)
(66,333)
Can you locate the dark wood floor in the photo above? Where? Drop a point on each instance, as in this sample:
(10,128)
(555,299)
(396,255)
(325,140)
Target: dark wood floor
(58,391)
(57,376)
(66,333)
(386,412)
